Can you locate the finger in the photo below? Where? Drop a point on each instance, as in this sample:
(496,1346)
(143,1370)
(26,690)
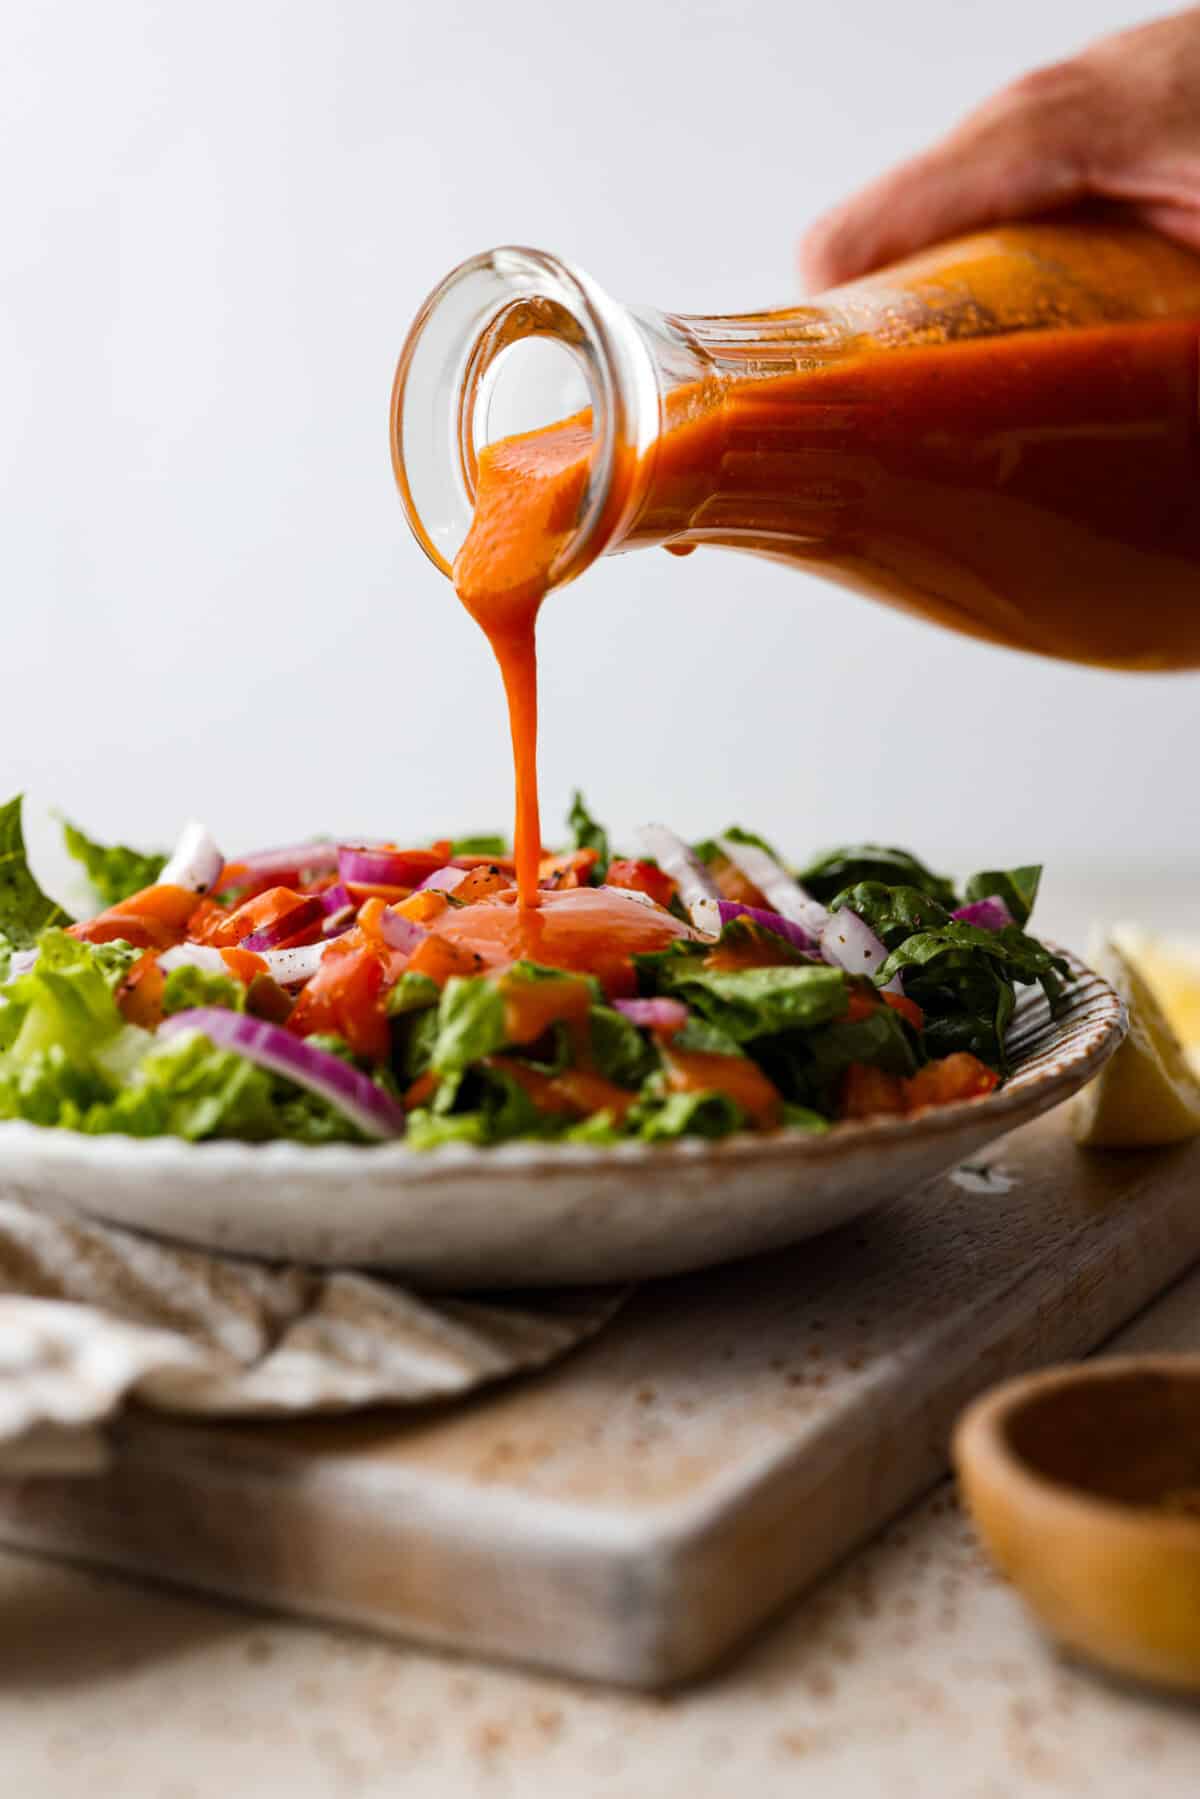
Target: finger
(1024,152)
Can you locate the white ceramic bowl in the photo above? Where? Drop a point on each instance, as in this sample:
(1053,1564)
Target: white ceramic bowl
(529,1214)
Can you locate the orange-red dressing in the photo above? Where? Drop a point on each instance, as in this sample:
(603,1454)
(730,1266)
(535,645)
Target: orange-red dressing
(526,505)
(586,930)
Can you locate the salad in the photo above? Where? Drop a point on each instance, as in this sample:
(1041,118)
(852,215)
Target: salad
(365,992)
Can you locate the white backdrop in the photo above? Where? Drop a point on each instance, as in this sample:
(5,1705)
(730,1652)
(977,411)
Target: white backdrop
(218,222)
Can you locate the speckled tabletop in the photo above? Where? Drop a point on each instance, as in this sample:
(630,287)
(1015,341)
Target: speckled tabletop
(911,1674)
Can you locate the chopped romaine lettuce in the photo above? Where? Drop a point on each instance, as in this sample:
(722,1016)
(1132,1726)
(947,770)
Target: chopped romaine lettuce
(24,908)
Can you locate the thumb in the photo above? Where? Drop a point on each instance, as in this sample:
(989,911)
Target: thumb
(1025,151)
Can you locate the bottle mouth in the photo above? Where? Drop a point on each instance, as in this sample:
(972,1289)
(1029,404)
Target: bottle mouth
(510,341)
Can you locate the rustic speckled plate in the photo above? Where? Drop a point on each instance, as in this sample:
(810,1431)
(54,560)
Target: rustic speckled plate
(545,1214)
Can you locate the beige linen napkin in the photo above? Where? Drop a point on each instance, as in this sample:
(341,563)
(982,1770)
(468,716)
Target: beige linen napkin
(92,1317)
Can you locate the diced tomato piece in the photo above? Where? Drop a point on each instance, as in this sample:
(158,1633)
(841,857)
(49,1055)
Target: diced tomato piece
(155,918)
(571,870)
(907,1008)
(139,996)
(297,916)
(345,997)
(485,879)
(960,1076)
(863,1002)
(243,964)
(641,877)
(870,1093)
(438,958)
(422,908)
(422,1090)
(733,884)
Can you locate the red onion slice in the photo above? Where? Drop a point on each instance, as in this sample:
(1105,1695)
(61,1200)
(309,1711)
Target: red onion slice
(989,914)
(654,1014)
(794,934)
(273,866)
(697,889)
(401,933)
(301,917)
(443,880)
(195,862)
(268,1046)
(847,942)
(775,884)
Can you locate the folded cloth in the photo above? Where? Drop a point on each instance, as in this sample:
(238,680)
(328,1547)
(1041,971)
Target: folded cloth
(93,1317)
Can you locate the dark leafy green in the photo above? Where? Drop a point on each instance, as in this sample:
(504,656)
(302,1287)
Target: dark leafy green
(1017,887)
(838,869)
(586,834)
(709,850)
(893,913)
(113,870)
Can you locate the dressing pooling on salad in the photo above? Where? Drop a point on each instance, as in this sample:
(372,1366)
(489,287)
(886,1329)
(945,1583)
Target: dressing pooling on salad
(329,991)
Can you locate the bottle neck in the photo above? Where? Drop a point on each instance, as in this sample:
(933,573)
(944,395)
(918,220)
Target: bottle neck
(513,341)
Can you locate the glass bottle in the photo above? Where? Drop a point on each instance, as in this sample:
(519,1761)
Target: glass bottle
(1001,434)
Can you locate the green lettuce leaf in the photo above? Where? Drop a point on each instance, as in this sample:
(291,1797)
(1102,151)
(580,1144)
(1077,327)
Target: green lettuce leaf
(470,1023)
(688,1115)
(484,844)
(24,908)
(750,1003)
(113,870)
(619,1050)
(838,869)
(187,987)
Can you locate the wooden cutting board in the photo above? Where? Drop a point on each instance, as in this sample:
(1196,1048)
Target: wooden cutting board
(632,1514)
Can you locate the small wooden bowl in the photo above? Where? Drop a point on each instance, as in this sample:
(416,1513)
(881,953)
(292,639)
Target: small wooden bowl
(1084,1484)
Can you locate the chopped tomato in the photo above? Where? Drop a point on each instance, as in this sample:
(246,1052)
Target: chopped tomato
(960,1076)
(641,877)
(870,1093)
(423,907)
(345,997)
(485,878)
(422,1090)
(155,918)
(907,1008)
(440,958)
(571,870)
(733,884)
(862,1004)
(296,916)
(243,964)
(139,996)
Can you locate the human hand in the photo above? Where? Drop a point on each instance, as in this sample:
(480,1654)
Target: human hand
(1120,121)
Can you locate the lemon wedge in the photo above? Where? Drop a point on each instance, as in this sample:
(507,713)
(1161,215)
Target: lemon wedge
(1148,1093)
(1171,966)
